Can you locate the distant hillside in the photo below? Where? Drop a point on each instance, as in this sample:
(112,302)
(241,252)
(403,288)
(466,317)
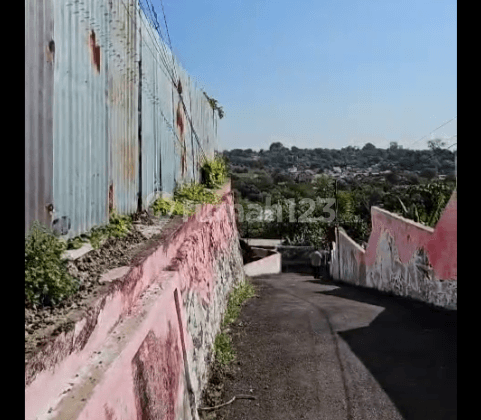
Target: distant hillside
(289,162)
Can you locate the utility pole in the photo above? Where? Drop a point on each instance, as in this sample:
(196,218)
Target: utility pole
(456,167)
(336,230)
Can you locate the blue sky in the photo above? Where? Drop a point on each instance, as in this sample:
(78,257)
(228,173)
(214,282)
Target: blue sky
(322,73)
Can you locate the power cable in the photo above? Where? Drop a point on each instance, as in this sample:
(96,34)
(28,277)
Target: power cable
(168,35)
(171,72)
(442,125)
(175,81)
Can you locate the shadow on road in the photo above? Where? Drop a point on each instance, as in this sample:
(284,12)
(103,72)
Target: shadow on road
(410,349)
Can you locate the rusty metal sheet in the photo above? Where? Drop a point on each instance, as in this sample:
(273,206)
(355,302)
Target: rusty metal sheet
(39,75)
(123,105)
(105,128)
(80,176)
(157,122)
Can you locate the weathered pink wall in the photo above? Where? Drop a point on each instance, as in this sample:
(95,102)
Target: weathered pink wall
(270,264)
(440,243)
(404,257)
(133,353)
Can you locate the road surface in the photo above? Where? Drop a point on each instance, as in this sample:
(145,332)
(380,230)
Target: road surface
(319,350)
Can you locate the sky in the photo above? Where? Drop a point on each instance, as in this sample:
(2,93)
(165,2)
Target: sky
(322,73)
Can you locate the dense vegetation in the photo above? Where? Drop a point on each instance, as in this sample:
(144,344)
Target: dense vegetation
(186,197)
(418,195)
(276,160)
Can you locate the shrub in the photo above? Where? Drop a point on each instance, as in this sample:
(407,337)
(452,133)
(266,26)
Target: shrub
(238,296)
(214,172)
(47,281)
(164,206)
(429,173)
(185,199)
(119,226)
(224,352)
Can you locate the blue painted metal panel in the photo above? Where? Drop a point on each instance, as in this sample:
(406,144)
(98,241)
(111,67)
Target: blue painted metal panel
(80,178)
(158,159)
(123,104)
(39,73)
(95,117)
(151,134)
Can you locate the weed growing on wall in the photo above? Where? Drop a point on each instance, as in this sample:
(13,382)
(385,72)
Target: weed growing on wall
(239,295)
(215,172)
(119,226)
(77,242)
(164,206)
(224,353)
(185,199)
(47,281)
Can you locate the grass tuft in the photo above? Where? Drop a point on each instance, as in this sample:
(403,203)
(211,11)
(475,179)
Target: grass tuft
(224,352)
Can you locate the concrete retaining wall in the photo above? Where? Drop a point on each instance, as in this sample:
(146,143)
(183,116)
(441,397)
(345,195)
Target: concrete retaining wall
(143,348)
(270,263)
(403,257)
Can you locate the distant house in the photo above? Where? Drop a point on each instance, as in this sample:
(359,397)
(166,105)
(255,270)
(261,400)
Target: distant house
(292,170)
(305,176)
(336,169)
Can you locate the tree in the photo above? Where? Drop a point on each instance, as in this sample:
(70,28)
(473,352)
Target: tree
(277,146)
(436,144)
(429,173)
(369,146)
(392,178)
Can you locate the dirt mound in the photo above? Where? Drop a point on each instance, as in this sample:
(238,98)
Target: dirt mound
(41,322)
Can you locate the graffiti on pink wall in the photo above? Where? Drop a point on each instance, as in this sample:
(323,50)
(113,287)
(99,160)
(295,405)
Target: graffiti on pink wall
(142,349)
(439,243)
(404,257)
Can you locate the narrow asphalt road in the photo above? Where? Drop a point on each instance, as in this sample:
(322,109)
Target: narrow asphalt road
(315,349)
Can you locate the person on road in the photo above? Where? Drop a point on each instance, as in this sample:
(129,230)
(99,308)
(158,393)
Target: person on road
(316,263)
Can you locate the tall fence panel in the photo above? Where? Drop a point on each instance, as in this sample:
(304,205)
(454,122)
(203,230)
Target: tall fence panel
(39,74)
(123,106)
(81,34)
(107,126)
(157,127)
(185,106)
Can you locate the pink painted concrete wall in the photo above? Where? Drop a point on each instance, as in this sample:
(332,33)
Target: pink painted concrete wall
(404,257)
(270,264)
(133,354)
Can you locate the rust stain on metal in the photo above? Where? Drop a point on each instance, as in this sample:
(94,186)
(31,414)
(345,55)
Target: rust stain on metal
(95,50)
(128,155)
(50,51)
(180,120)
(111,198)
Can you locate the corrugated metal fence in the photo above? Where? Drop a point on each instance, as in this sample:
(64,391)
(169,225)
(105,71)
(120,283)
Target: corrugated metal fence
(108,114)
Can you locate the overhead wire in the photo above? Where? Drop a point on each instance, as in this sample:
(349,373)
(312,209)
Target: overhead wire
(417,141)
(168,35)
(442,125)
(163,54)
(171,77)
(174,81)
(170,72)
